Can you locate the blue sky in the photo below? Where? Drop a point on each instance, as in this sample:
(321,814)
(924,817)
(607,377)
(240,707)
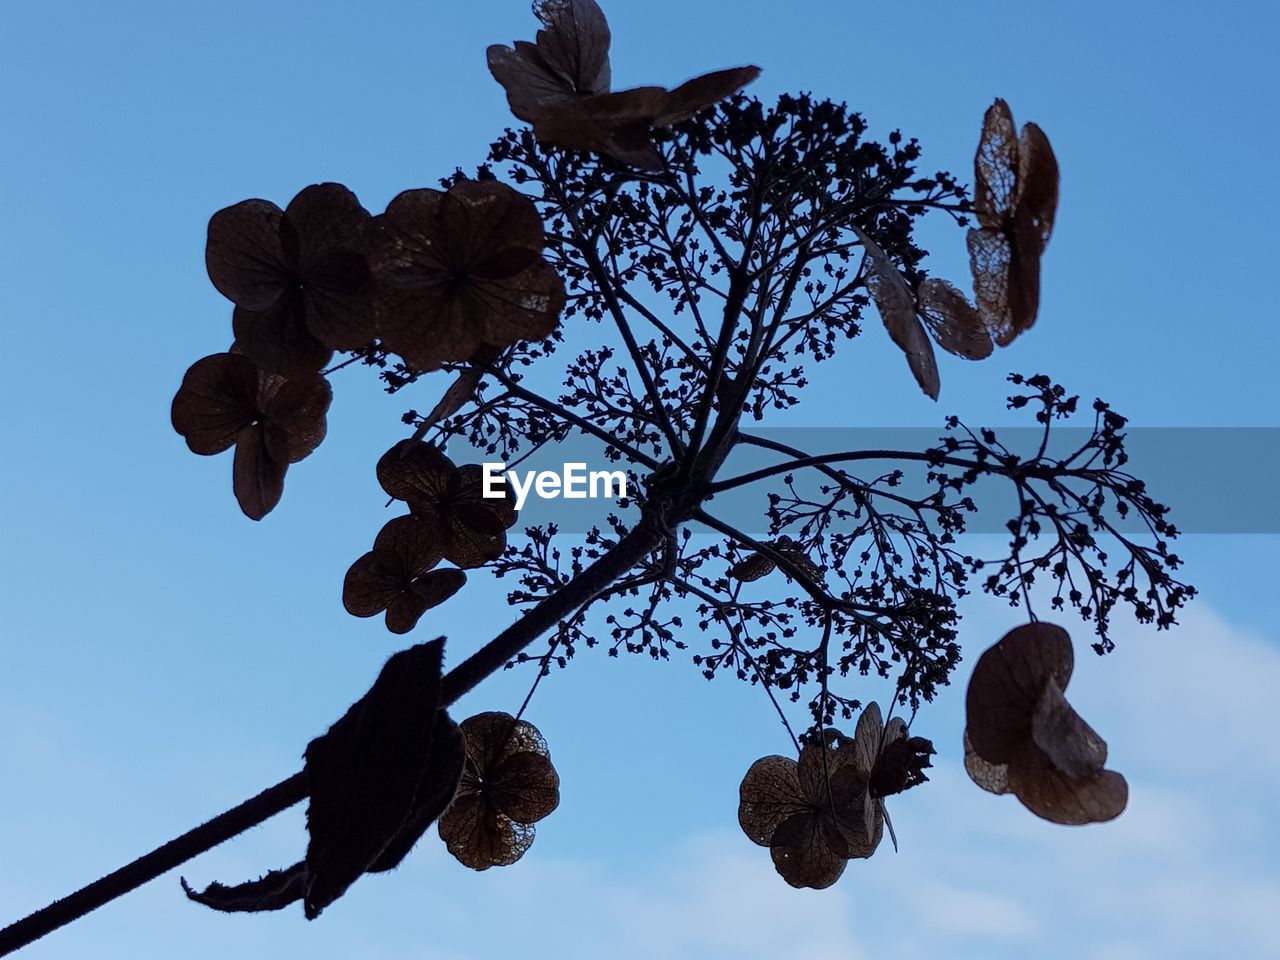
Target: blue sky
(163,657)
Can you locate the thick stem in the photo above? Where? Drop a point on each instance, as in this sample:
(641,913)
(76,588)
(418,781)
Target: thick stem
(582,589)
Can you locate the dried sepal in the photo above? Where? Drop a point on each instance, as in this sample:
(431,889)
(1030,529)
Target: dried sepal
(1015,201)
(953,321)
(508,785)
(226,399)
(464,271)
(1023,737)
(897,308)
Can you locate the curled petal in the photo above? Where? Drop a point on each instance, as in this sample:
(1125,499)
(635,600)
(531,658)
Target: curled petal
(1051,794)
(1070,744)
(1007,683)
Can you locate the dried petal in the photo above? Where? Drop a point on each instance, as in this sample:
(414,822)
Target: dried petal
(1037,181)
(898,311)
(694,96)
(802,855)
(1071,745)
(257,479)
(569,59)
(244,257)
(322,233)
(995,167)
(217,399)
(992,777)
(277,339)
(769,794)
(954,322)
(364,776)
(1049,793)
(273,891)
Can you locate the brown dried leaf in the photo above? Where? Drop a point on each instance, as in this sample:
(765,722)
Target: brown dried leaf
(273,891)
(953,321)
(366,774)
(439,785)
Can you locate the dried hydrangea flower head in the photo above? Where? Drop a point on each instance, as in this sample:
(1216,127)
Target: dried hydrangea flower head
(453,515)
(397,576)
(462,270)
(569,59)
(1015,201)
(226,400)
(819,812)
(300,278)
(560,84)
(507,786)
(1022,737)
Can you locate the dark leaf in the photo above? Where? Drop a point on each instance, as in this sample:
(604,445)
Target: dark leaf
(366,773)
(274,891)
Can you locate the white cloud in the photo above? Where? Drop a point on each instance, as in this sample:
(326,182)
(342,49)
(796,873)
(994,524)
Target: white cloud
(1188,872)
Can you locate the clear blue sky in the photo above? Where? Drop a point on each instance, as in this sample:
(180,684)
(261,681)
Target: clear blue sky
(163,657)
